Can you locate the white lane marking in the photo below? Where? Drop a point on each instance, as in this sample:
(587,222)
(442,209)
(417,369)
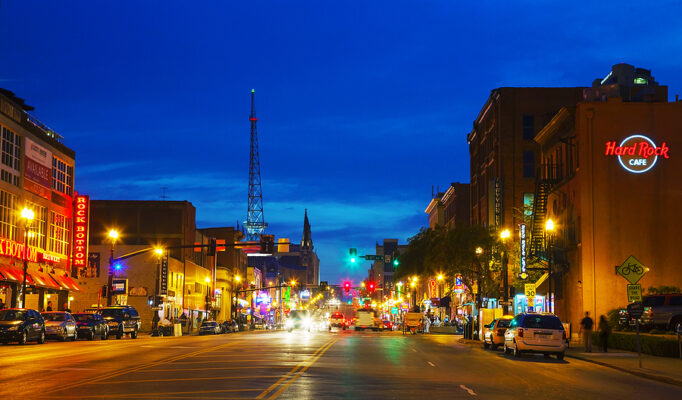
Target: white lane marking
(431,364)
(147,346)
(471,392)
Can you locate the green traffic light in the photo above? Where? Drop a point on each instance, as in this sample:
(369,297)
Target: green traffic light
(395,262)
(352,259)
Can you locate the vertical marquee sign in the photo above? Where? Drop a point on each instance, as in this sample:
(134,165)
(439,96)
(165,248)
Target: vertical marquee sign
(81,222)
(164,275)
(522,231)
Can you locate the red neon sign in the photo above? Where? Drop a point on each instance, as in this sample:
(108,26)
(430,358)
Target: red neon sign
(637,153)
(16,250)
(81,229)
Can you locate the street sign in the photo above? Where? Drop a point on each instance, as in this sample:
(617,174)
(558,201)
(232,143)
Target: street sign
(394,310)
(372,257)
(387,258)
(632,270)
(634,293)
(530,290)
(635,310)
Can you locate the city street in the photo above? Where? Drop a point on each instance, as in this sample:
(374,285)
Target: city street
(301,365)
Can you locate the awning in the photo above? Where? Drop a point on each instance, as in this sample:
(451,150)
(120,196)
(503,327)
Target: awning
(14,274)
(65,282)
(43,279)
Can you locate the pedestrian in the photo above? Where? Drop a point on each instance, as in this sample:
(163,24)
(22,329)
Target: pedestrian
(586,329)
(427,323)
(49,306)
(604,332)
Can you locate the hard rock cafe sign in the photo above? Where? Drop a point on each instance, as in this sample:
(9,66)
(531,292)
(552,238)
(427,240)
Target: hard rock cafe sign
(637,153)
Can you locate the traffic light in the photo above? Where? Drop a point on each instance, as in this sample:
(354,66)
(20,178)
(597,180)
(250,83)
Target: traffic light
(396,262)
(353,254)
(371,286)
(346,287)
(151,300)
(267,244)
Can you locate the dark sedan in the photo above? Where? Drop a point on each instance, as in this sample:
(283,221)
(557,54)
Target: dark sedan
(91,325)
(21,325)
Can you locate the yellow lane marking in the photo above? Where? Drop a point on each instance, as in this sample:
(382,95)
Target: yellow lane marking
(299,373)
(124,371)
(159,394)
(244,360)
(202,378)
(322,348)
(214,368)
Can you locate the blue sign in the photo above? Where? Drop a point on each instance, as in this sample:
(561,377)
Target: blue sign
(305,294)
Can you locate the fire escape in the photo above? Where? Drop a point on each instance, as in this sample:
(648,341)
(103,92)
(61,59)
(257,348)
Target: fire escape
(548,175)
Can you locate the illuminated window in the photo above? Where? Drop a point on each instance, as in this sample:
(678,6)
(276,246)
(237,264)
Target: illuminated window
(11,157)
(38,227)
(59,233)
(62,176)
(640,81)
(8,215)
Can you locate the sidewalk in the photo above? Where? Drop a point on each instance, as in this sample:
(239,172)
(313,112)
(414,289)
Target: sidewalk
(662,369)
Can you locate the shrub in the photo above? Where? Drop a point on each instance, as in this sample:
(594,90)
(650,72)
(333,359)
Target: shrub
(612,318)
(651,344)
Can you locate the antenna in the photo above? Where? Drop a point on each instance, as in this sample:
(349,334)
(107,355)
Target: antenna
(163,193)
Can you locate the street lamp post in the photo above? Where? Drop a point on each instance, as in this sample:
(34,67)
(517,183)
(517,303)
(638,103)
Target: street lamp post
(113,235)
(27,215)
(505,273)
(549,229)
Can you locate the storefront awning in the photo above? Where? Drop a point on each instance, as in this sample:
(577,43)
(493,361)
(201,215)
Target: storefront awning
(42,279)
(13,274)
(65,282)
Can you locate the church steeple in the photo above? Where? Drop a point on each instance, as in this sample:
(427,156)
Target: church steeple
(307,241)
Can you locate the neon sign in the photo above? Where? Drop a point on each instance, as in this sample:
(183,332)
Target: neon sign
(637,153)
(80,231)
(522,230)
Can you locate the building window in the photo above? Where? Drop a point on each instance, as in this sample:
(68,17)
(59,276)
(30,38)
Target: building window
(59,233)
(62,176)
(8,215)
(528,206)
(38,228)
(11,157)
(528,164)
(528,127)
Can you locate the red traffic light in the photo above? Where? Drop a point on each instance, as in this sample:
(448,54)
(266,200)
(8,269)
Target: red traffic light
(346,286)
(371,286)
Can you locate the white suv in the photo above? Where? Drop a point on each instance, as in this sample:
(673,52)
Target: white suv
(536,333)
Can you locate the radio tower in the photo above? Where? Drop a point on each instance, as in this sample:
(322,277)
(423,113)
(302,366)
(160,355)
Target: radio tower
(255,222)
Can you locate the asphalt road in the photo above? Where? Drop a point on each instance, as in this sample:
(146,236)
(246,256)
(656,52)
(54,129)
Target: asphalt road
(301,365)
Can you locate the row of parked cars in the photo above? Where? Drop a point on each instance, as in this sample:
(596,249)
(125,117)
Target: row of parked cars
(23,325)
(214,328)
(527,333)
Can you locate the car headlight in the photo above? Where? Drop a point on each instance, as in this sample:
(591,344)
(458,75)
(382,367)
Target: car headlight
(290,323)
(13,328)
(307,322)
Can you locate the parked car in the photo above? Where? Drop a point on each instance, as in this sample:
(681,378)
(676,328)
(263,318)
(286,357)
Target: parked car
(91,325)
(21,325)
(60,325)
(535,333)
(493,333)
(121,320)
(387,325)
(209,328)
(662,311)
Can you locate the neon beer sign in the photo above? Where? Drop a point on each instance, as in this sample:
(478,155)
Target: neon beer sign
(637,153)
(80,236)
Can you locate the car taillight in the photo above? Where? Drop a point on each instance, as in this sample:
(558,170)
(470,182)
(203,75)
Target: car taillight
(520,332)
(500,332)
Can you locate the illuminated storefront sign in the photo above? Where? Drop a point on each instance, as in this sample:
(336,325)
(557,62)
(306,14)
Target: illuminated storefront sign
(16,250)
(80,231)
(637,153)
(522,230)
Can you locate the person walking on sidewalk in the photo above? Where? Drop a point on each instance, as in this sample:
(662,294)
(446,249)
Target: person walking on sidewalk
(604,331)
(586,329)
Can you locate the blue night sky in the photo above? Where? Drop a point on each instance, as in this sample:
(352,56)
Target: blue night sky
(362,106)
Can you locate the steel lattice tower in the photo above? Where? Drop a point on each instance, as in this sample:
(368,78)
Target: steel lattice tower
(255,222)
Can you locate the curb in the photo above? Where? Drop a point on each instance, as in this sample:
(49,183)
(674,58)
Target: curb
(653,377)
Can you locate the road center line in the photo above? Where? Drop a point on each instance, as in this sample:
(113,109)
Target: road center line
(471,392)
(431,364)
(288,374)
(301,371)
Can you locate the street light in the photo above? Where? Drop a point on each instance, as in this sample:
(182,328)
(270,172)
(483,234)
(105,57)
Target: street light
(479,250)
(113,235)
(28,215)
(504,235)
(549,229)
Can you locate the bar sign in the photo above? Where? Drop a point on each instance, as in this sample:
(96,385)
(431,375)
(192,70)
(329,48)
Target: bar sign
(164,275)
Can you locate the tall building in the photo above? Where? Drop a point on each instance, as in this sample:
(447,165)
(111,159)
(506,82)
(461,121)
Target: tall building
(451,208)
(36,174)
(612,184)
(503,155)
